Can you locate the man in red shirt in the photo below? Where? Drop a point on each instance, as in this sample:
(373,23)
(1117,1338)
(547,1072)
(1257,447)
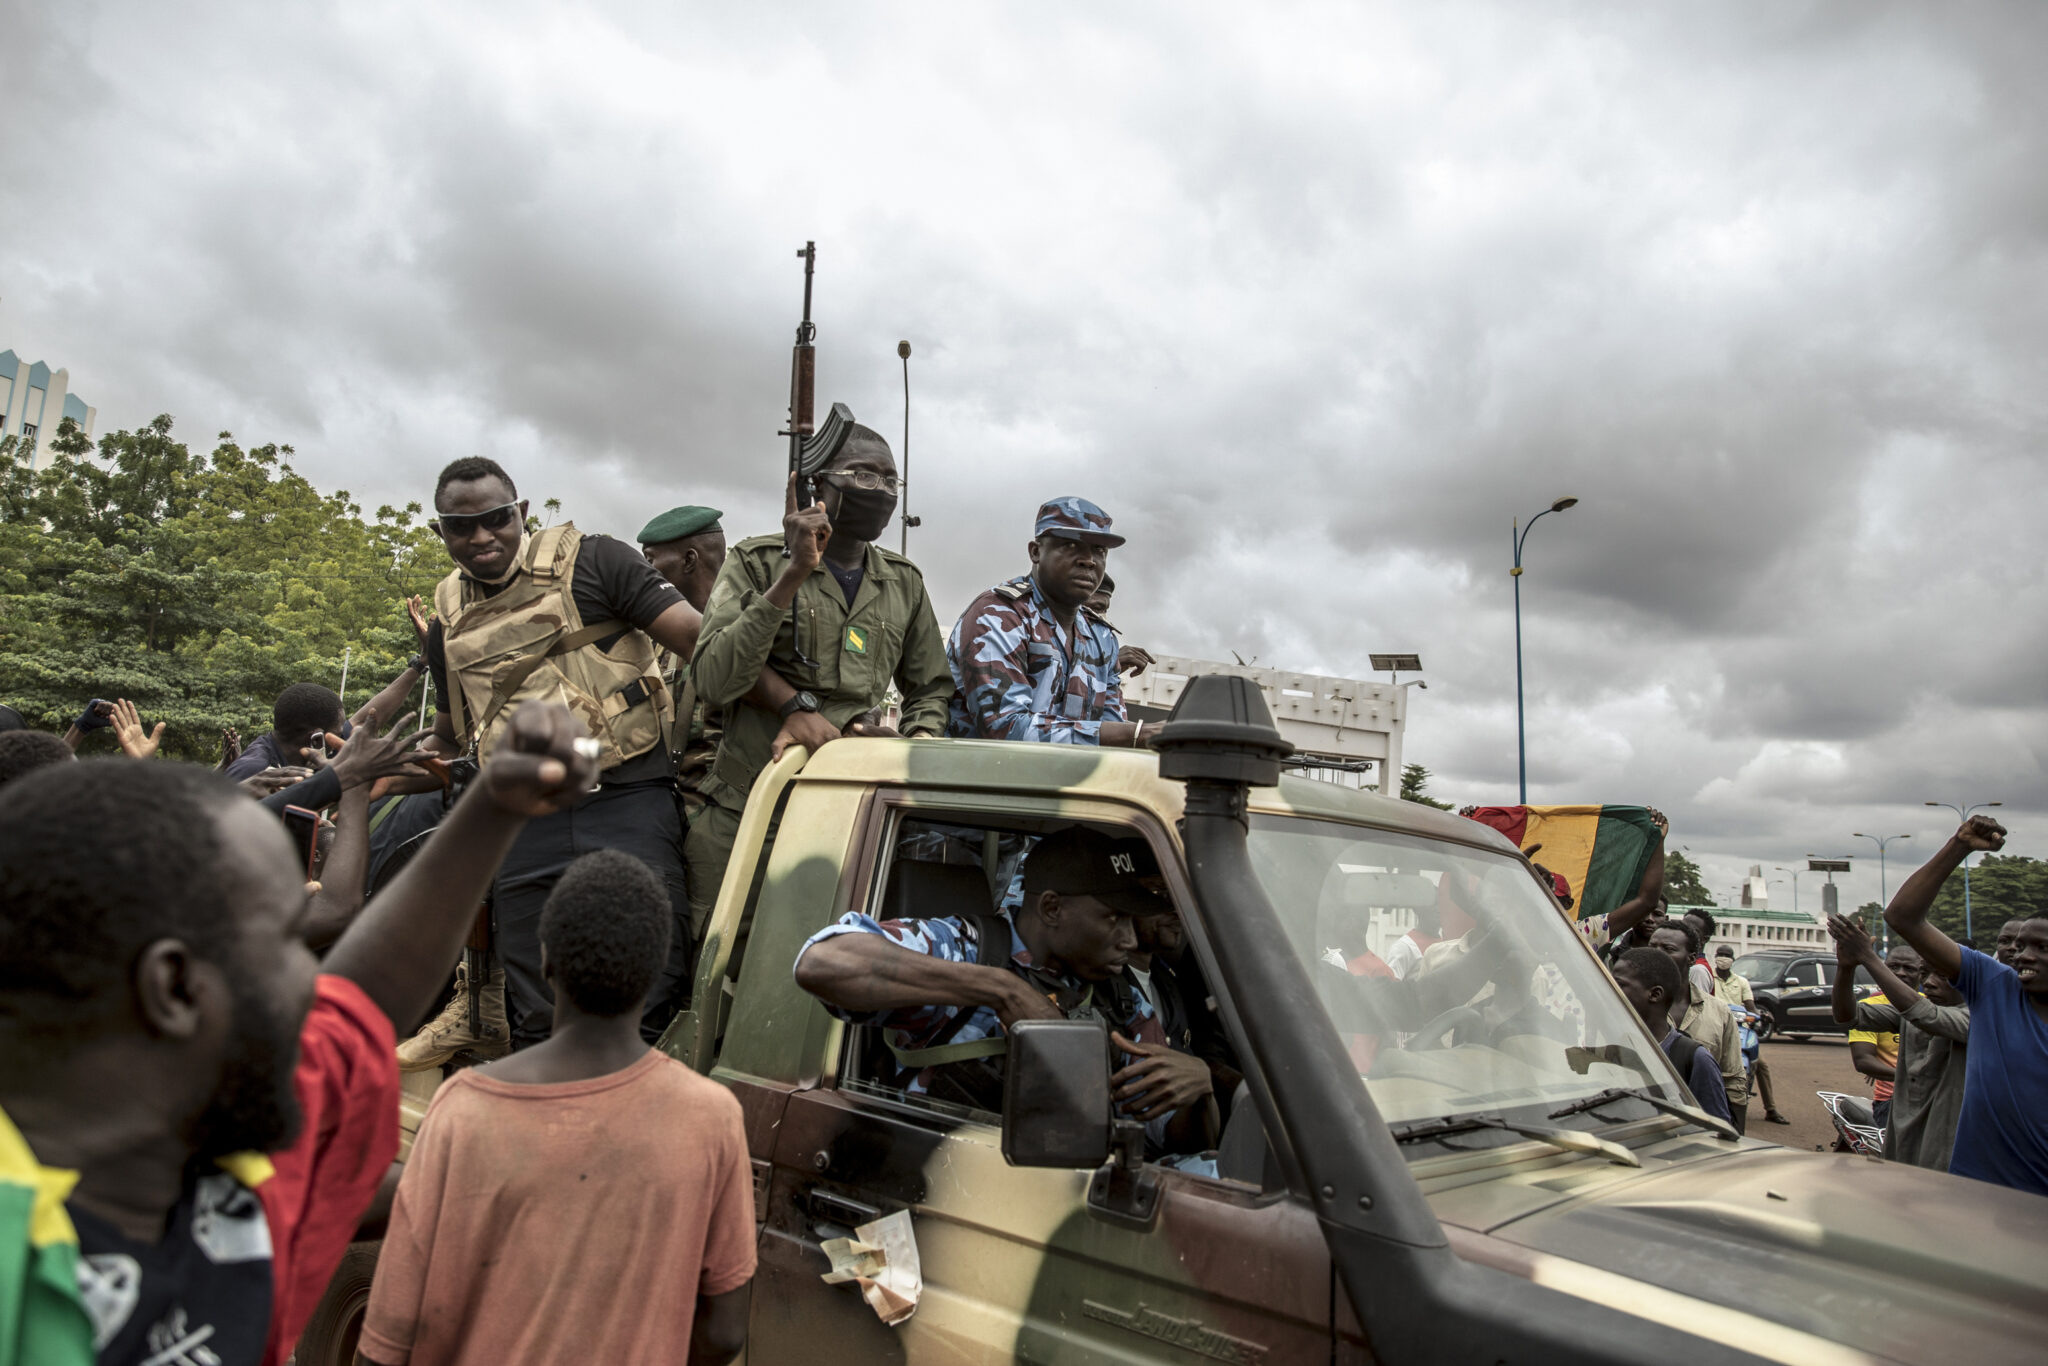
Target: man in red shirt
(219,1106)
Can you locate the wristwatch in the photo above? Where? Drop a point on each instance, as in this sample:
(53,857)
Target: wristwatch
(418,663)
(803,701)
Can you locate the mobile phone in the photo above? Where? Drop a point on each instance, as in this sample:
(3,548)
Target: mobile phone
(304,825)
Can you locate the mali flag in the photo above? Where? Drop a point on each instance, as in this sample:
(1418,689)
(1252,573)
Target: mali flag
(1602,852)
(42,1320)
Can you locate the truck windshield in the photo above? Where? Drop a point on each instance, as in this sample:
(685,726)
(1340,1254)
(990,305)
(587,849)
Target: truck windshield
(1454,982)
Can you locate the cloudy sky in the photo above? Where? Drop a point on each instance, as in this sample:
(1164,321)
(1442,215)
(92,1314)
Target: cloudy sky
(1314,299)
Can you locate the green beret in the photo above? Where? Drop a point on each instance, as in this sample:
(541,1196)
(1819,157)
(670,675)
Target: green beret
(677,523)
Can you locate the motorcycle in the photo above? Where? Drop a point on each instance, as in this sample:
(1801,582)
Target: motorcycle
(1856,1128)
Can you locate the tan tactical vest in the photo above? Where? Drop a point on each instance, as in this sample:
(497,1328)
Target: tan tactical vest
(529,641)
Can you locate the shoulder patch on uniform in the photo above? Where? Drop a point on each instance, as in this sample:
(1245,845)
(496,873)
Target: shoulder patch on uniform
(857,640)
(1008,590)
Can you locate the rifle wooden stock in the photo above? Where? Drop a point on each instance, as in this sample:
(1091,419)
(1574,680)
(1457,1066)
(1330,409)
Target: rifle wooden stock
(803,374)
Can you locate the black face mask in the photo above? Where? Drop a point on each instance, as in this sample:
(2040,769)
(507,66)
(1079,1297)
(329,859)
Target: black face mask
(861,514)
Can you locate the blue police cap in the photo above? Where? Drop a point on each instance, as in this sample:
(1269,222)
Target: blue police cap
(1077,519)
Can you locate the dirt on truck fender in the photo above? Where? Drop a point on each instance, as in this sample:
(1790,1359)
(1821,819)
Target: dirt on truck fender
(1539,1131)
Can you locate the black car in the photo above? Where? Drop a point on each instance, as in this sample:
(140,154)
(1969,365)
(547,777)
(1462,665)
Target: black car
(1793,988)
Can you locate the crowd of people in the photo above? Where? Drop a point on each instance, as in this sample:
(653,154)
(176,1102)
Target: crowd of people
(211,983)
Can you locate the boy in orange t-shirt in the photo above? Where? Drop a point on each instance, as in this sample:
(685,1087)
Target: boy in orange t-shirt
(588,1199)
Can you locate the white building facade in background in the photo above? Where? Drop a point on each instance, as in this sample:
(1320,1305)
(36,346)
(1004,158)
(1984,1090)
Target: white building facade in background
(1344,728)
(1748,929)
(34,399)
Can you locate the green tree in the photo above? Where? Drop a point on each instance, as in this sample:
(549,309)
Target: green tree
(2001,886)
(198,586)
(1683,885)
(1415,787)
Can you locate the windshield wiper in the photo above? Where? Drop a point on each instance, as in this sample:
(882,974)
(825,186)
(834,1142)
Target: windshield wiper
(1713,1123)
(1571,1140)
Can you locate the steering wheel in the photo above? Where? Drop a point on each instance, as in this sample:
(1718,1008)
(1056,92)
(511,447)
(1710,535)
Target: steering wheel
(1431,1035)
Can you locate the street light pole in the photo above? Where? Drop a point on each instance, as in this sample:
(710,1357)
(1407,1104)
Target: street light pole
(1521,534)
(1963,814)
(1795,872)
(905,520)
(1884,895)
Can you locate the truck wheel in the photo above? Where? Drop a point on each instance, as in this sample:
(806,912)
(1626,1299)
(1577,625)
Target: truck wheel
(337,1323)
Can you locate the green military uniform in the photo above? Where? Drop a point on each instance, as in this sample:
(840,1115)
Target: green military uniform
(888,633)
(697,733)
(693,740)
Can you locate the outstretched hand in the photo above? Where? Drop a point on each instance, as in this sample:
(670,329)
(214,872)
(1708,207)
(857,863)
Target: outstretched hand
(1852,941)
(421,616)
(274,780)
(230,746)
(1160,1082)
(367,756)
(128,731)
(1982,834)
(544,760)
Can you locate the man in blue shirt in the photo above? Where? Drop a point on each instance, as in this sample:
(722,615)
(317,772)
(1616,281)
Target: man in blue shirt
(1030,659)
(945,999)
(2002,1132)
(1655,987)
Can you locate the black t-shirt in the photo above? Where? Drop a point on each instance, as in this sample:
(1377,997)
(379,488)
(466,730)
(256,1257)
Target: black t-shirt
(203,1294)
(613,583)
(849,579)
(397,824)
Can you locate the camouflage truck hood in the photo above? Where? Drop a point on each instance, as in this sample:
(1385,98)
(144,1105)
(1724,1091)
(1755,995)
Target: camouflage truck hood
(1895,1261)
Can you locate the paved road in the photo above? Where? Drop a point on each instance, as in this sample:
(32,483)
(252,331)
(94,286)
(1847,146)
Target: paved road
(1797,1071)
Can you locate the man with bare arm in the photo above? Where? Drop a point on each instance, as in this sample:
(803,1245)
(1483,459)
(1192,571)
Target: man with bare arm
(2002,1132)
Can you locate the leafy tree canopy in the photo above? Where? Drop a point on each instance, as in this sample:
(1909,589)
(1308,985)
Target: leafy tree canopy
(1683,885)
(196,585)
(2002,886)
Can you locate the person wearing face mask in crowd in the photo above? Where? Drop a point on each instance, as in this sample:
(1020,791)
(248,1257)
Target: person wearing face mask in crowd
(804,632)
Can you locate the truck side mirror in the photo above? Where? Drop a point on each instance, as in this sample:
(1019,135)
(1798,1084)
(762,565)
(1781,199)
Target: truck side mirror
(1056,1106)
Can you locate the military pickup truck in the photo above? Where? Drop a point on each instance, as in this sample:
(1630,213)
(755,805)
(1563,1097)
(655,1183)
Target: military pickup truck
(1520,1178)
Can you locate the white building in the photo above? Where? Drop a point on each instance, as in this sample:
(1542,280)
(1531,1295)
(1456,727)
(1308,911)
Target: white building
(1748,929)
(1342,726)
(34,399)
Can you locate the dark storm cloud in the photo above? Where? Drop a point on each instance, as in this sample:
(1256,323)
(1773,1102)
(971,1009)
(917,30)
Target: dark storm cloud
(1315,299)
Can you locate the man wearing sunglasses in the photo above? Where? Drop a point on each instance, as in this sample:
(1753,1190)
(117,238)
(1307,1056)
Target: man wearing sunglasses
(806,630)
(562,616)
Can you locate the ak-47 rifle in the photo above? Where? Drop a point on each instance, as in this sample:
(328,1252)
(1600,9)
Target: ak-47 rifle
(803,375)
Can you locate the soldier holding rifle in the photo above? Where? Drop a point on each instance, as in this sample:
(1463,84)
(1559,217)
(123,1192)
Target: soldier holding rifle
(805,631)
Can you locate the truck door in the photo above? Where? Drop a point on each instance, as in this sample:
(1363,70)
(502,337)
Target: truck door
(1016,1264)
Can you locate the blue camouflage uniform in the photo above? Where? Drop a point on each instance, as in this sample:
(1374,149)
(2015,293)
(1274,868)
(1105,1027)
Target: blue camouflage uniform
(1017,674)
(950,940)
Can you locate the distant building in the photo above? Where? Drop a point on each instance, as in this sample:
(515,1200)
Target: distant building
(34,399)
(1749,929)
(1341,727)
(1755,893)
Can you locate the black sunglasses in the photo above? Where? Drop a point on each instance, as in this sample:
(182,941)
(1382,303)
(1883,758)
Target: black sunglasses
(456,525)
